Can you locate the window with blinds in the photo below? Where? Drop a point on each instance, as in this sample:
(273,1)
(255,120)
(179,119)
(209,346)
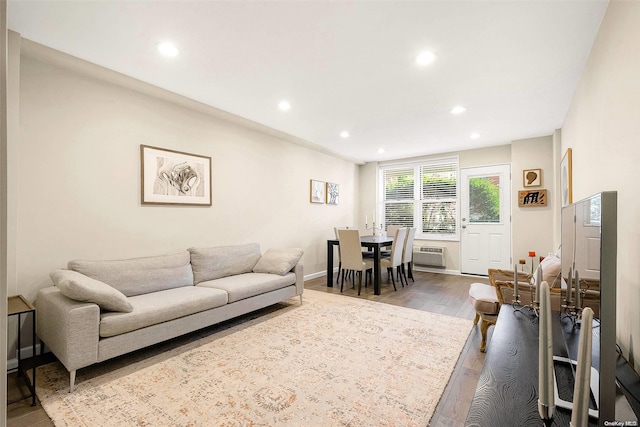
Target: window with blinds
(422,195)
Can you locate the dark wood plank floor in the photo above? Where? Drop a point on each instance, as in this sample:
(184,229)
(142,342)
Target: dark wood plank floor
(438,293)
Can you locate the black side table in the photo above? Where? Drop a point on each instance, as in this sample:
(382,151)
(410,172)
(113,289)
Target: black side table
(18,305)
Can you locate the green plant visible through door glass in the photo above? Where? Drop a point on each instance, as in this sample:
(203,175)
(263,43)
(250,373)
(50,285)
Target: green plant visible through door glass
(484,199)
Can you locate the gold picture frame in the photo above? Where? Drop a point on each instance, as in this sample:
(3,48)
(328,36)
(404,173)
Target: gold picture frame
(532,198)
(316,191)
(170,177)
(566,180)
(532,178)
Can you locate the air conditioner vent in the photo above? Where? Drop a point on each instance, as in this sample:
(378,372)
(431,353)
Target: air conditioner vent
(429,256)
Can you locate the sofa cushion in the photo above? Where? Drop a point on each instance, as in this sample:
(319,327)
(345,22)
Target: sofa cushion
(158,307)
(278,261)
(222,261)
(551,266)
(79,287)
(137,276)
(246,285)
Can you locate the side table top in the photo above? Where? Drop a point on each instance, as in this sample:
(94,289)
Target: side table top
(17,304)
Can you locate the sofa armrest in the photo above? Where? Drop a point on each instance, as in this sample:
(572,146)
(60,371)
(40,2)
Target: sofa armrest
(69,328)
(299,271)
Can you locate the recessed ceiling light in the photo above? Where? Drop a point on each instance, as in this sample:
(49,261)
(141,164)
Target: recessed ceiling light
(284,105)
(474,135)
(425,58)
(380,150)
(167,49)
(458,109)
(345,134)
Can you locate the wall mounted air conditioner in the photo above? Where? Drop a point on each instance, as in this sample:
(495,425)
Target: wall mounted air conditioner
(429,256)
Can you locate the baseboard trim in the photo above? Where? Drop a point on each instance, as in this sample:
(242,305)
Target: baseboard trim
(320,273)
(436,270)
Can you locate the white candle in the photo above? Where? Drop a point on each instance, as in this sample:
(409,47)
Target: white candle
(538,281)
(366,219)
(577,279)
(582,387)
(515,281)
(569,286)
(546,394)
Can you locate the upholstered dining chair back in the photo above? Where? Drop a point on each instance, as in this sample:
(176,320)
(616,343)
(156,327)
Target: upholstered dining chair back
(398,247)
(350,248)
(335,229)
(407,253)
(391,230)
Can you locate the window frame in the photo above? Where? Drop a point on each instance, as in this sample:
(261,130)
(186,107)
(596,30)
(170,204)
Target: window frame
(417,200)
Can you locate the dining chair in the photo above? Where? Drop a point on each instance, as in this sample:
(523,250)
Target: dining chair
(407,254)
(395,260)
(350,248)
(391,229)
(339,256)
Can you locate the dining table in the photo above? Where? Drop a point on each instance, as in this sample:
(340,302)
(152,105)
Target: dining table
(375,243)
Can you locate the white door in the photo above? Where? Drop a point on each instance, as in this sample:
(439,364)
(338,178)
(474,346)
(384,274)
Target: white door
(485,219)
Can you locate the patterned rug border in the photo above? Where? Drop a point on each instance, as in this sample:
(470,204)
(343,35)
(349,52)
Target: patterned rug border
(54,396)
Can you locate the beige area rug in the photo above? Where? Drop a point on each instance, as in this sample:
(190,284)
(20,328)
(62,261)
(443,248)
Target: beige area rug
(334,361)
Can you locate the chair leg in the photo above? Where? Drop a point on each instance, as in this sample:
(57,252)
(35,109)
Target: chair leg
(404,274)
(484,327)
(339,271)
(400,275)
(342,283)
(359,282)
(392,279)
(475,321)
(410,268)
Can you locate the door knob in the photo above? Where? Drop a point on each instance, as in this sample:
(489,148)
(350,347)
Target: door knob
(464,226)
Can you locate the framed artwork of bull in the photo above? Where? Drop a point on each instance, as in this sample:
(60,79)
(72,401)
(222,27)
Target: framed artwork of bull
(172,177)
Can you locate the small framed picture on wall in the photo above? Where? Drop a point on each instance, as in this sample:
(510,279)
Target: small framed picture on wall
(532,178)
(317,191)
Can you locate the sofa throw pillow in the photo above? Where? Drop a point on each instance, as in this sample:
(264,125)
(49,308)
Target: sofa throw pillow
(278,261)
(551,266)
(79,287)
(222,261)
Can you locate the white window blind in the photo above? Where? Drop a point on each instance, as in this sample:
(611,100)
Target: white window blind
(439,198)
(422,195)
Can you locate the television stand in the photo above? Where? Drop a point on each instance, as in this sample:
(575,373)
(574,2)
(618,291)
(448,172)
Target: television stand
(507,391)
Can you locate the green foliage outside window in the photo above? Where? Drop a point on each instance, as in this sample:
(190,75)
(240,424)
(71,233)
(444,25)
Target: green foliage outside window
(484,199)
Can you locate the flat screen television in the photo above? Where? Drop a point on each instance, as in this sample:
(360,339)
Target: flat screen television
(589,245)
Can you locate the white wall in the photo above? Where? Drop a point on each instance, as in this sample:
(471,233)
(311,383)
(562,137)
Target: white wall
(532,227)
(78,176)
(602,127)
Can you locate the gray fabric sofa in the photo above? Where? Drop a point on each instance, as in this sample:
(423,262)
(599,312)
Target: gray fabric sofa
(98,310)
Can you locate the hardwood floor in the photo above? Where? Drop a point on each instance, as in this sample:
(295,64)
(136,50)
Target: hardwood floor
(438,293)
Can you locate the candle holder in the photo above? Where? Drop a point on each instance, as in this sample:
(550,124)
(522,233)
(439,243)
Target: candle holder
(532,255)
(374,228)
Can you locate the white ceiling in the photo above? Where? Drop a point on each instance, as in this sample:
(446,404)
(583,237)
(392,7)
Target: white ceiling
(345,65)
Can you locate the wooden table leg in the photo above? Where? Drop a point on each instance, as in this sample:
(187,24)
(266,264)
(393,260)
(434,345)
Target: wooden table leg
(376,270)
(329,265)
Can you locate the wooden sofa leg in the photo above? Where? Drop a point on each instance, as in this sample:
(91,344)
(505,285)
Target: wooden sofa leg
(300,299)
(475,321)
(72,381)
